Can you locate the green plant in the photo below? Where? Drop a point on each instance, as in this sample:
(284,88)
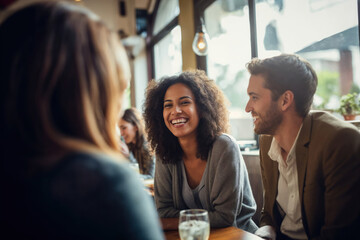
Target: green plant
(355,88)
(349,104)
(328,86)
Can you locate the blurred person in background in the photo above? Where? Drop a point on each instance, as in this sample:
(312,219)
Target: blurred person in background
(132,131)
(62,78)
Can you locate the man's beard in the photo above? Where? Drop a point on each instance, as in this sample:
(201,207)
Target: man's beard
(269,122)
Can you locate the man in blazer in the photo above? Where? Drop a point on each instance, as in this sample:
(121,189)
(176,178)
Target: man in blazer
(310,162)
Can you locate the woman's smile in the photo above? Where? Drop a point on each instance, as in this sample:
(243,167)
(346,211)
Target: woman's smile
(179,111)
(179,122)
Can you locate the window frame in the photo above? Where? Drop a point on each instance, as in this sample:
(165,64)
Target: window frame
(199,9)
(152,40)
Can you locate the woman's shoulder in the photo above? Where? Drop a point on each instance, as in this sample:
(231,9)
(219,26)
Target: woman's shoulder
(225,153)
(91,162)
(224,144)
(87,170)
(224,140)
(101,191)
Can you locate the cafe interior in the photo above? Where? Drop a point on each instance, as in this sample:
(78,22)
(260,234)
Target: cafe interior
(165,37)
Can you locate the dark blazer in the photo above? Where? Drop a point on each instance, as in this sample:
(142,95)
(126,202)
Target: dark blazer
(328,165)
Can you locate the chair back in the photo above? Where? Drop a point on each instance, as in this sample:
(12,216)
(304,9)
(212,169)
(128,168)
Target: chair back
(252,162)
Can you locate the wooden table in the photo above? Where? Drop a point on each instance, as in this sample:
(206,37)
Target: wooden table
(229,233)
(149,186)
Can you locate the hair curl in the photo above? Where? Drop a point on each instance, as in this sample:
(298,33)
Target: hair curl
(211,105)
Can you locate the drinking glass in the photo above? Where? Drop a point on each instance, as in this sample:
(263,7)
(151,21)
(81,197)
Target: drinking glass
(194,224)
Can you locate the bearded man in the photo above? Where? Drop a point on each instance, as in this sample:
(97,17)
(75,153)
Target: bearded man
(310,162)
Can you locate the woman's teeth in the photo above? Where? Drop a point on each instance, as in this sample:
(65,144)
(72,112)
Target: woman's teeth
(178,121)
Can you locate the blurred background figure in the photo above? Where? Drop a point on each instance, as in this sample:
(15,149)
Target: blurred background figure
(62,77)
(132,131)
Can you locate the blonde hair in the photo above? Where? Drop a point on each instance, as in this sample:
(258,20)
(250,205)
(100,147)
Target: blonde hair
(63,76)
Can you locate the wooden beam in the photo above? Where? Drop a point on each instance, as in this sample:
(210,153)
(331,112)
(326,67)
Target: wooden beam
(186,22)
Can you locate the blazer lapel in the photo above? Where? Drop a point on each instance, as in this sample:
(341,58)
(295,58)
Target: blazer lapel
(275,177)
(302,153)
(271,176)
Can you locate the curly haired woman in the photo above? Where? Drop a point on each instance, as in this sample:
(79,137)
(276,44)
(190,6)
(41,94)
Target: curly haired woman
(133,131)
(198,165)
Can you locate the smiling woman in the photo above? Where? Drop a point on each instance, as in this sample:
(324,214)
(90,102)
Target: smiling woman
(132,130)
(180,113)
(198,164)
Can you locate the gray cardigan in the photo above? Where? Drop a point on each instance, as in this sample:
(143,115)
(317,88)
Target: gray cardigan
(228,194)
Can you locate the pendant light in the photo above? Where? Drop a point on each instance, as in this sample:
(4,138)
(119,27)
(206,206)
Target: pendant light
(201,40)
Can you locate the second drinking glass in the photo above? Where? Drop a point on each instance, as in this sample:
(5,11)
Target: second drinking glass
(194,224)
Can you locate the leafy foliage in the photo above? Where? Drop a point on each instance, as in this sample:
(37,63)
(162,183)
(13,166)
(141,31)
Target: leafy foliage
(328,85)
(349,104)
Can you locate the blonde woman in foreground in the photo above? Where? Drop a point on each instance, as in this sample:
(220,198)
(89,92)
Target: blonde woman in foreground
(63,74)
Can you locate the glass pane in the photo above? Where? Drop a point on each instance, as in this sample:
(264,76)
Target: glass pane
(325,32)
(167,54)
(227,23)
(168,9)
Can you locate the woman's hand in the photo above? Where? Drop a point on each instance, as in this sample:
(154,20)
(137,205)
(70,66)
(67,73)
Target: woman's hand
(124,149)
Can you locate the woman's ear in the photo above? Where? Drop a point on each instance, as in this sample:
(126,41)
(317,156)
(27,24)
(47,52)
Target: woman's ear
(287,100)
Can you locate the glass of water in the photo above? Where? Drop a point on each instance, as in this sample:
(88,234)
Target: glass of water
(194,224)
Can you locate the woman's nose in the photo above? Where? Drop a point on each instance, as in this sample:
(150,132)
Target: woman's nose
(178,109)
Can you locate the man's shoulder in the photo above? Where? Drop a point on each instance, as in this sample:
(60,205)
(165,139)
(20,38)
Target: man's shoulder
(325,124)
(323,132)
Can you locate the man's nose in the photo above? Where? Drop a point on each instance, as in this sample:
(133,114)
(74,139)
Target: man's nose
(248,107)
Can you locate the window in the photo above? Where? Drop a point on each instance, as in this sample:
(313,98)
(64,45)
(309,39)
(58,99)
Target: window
(167,54)
(166,40)
(168,9)
(230,49)
(315,30)
(325,32)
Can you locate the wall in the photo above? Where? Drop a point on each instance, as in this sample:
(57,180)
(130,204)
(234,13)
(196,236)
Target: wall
(107,10)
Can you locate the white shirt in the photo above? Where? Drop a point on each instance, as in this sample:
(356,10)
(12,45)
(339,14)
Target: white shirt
(288,191)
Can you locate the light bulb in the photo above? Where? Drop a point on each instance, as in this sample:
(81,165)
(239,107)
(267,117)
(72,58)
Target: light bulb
(201,43)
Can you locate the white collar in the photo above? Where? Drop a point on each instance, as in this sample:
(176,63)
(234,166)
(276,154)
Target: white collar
(275,149)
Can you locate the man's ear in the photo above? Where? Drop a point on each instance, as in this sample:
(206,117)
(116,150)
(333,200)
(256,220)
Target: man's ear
(287,100)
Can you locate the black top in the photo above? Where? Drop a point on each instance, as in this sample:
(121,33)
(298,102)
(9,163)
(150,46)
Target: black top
(85,196)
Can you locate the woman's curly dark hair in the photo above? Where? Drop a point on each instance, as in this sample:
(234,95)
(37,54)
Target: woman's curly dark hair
(211,105)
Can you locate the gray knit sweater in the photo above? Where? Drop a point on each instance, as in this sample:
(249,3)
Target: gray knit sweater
(227,194)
